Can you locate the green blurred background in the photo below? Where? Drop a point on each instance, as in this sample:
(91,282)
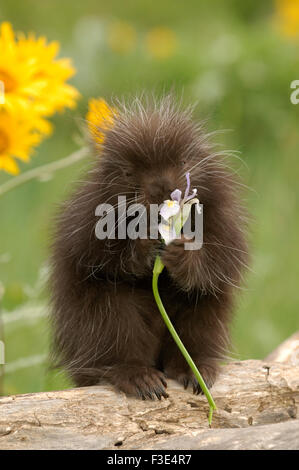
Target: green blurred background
(236,60)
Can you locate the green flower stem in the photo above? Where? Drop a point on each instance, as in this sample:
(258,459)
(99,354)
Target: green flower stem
(43,170)
(158,268)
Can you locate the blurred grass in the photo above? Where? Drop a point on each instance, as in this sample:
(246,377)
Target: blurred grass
(230,59)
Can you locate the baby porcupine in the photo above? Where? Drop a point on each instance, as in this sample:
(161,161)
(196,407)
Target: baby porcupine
(106,325)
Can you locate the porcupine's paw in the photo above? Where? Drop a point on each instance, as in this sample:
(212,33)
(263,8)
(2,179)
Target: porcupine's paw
(141,381)
(174,254)
(186,377)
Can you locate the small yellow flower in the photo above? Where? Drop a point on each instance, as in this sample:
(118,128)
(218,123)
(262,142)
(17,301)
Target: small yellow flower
(100,117)
(161,42)
(17,139)
(33,77)
(121,37)
(287,17)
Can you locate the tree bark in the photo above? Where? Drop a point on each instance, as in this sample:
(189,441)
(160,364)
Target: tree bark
(257,408)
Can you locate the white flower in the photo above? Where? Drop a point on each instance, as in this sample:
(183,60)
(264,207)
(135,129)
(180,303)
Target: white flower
(167,231)
(169,209)
(175,212)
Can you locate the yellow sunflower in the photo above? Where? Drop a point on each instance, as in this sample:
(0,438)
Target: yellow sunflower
(33,77)
(100,117)
(51,72)
(17,139)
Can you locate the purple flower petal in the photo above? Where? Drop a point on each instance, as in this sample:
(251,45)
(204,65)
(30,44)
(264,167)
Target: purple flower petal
(188,185)
(176,195)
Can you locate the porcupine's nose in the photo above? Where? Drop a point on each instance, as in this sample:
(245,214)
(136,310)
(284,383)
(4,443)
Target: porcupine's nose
(158,189)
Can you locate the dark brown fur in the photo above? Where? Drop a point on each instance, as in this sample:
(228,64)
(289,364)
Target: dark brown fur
(105,321)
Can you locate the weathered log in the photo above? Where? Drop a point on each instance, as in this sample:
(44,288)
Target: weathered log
(259,398)
(283,436)
(287,352)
